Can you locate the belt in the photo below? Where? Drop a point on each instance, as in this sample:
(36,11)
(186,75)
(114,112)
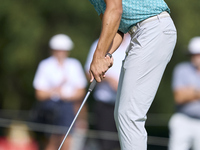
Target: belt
(161,15)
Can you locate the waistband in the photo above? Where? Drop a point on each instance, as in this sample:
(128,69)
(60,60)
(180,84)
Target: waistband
(161,15)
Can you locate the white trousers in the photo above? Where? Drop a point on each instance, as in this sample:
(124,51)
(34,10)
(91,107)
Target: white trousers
(149,52)
(184,132)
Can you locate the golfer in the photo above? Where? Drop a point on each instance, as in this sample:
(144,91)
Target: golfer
(153,38)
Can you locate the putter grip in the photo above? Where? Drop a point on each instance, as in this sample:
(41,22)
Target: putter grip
(92,85)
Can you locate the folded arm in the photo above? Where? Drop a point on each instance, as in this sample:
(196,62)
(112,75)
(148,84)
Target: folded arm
(186,95)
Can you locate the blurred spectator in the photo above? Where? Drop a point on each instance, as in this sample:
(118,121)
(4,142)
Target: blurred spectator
(184,125)
(59,82)
(18,138)
(105,94)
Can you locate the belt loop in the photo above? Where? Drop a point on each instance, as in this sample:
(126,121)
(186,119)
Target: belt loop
(158,17)
(138,24)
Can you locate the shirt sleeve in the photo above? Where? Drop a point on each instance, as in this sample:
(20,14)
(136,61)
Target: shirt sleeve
(90,56)
(76,79)
(80,78)
(40,81)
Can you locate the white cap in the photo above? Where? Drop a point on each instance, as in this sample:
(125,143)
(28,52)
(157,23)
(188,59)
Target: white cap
(61,42)
(194,45)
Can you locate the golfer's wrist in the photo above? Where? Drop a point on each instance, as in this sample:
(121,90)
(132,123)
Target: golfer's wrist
(109,54)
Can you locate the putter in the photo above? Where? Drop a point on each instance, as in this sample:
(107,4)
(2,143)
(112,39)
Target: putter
(91,87)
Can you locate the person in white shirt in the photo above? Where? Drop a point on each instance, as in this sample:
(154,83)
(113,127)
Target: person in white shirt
(59,82)
(105,94)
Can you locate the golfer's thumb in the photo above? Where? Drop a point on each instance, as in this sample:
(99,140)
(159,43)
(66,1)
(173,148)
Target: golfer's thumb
(91,77)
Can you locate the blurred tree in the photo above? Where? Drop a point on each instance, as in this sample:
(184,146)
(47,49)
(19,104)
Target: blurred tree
(21,28)
(26,27)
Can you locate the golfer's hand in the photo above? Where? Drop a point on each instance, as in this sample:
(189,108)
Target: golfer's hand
(99,66)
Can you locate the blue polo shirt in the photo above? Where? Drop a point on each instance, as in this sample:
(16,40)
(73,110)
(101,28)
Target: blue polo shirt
(134,11)
(186,75)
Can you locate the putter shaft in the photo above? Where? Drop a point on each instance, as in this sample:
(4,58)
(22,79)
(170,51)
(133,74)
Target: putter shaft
(91,87)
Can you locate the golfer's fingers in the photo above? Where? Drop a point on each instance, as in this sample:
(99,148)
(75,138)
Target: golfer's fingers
(110,61)
(104,75)
(91,76)
(98,77)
